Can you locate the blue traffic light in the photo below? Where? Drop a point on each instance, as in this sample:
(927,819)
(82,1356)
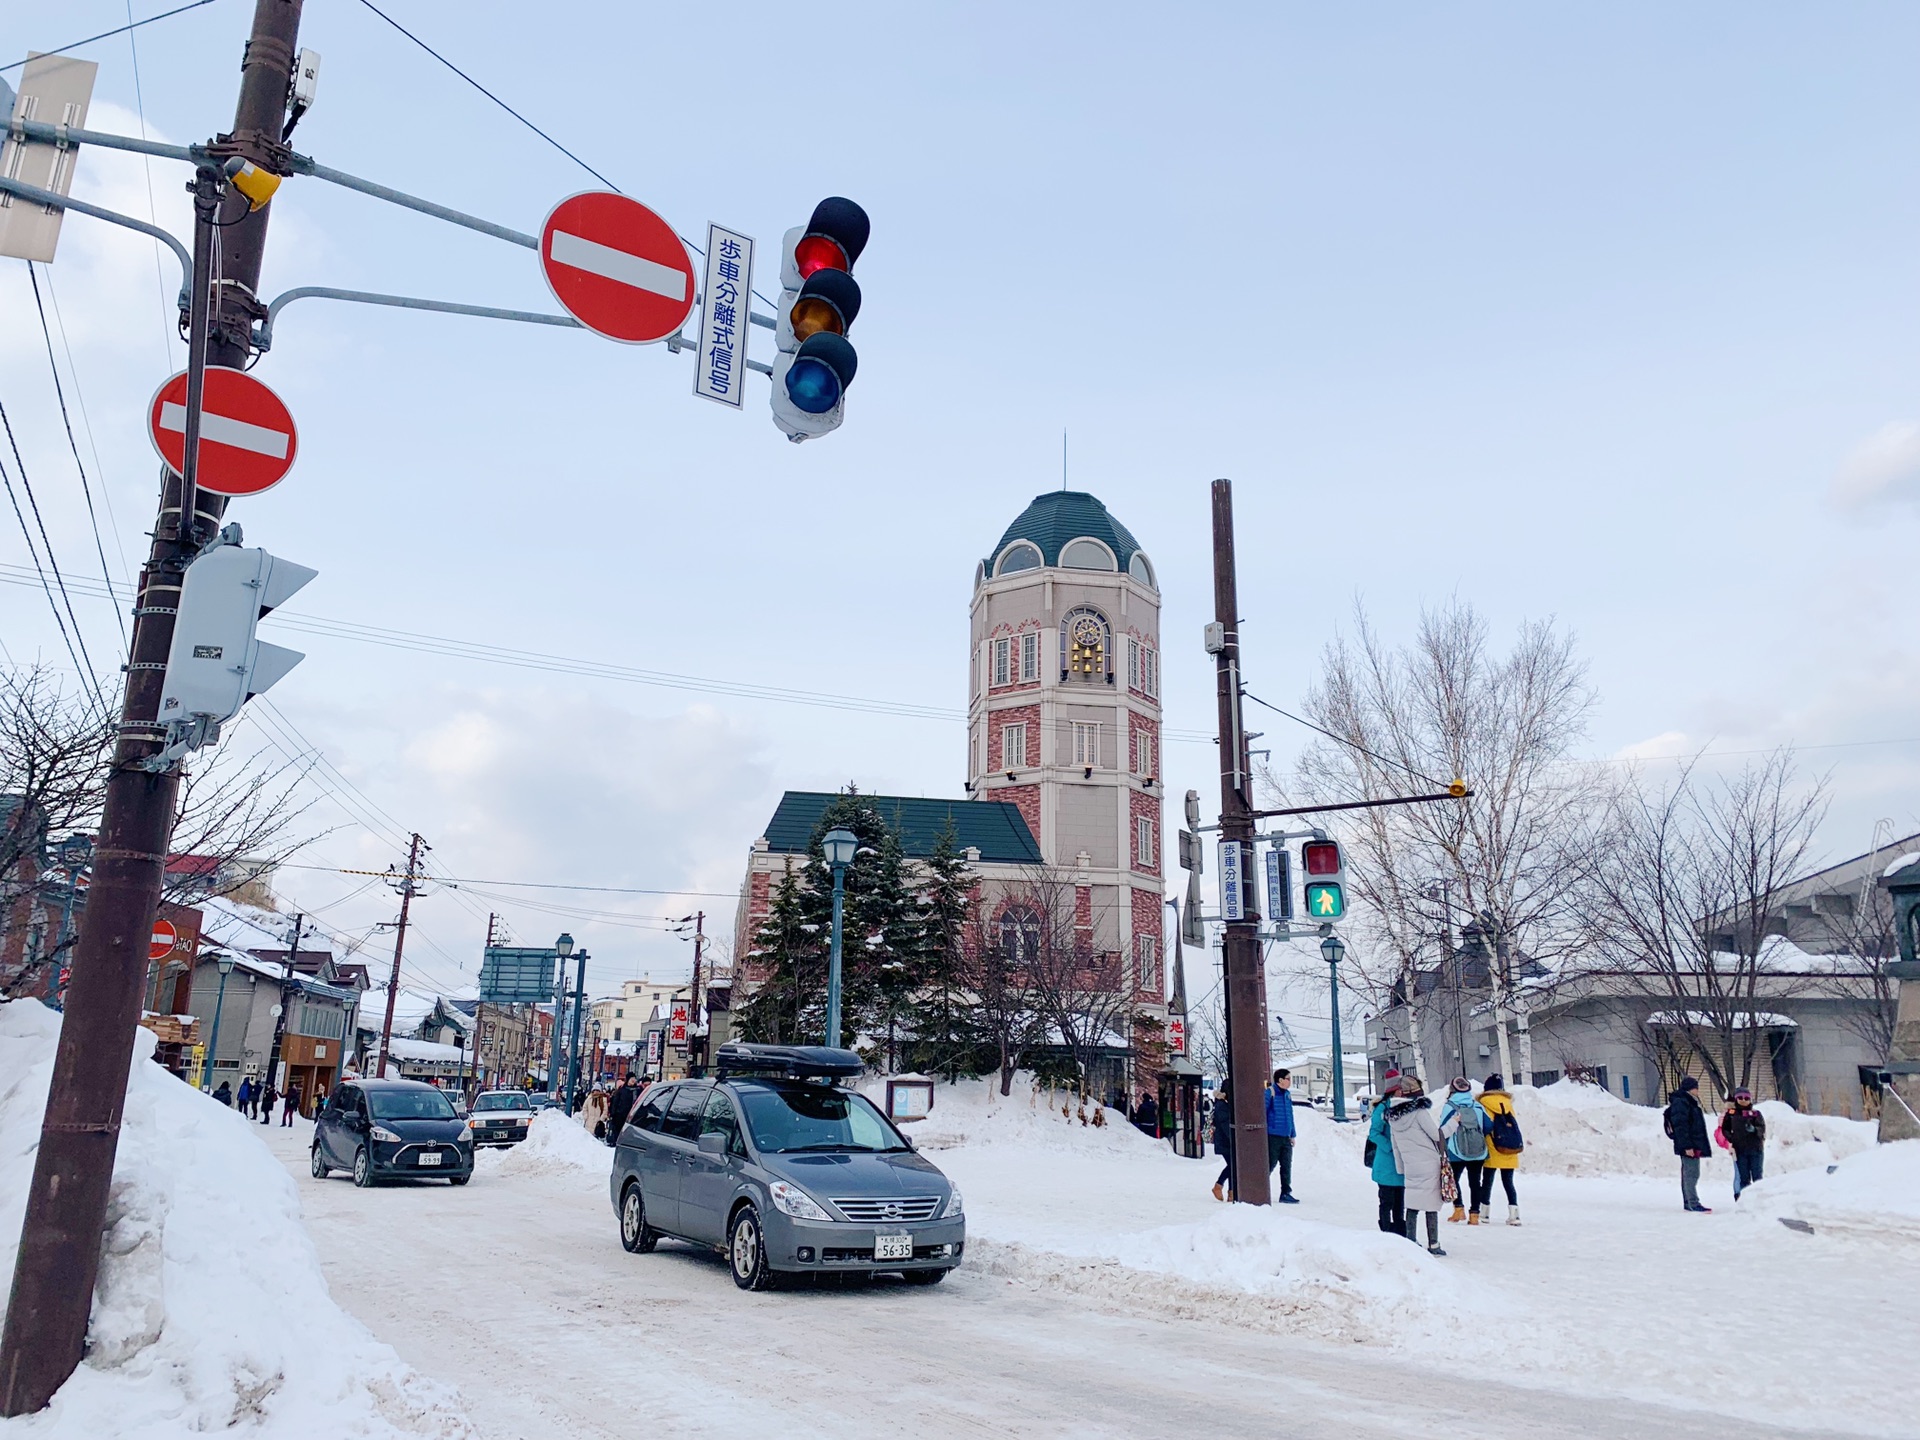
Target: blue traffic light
(822,369)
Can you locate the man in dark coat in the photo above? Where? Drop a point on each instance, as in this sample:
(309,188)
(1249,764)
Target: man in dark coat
(1223,1143)
(620,1107)
(1146,1115)
(1686,1126)
(267,1096)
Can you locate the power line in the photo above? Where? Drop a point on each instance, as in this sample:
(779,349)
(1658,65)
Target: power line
(86,423)
(551,885)
(1343,740)
(169,330)
(109,34)
(81,659)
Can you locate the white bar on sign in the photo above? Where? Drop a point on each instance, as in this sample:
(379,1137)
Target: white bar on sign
(579,253)
(224,430)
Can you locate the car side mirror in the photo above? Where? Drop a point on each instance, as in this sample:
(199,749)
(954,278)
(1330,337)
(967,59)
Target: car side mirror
(713,1143)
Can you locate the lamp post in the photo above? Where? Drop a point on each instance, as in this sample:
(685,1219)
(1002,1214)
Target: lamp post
(563,947)
(838,846)
(220,1000)
(1333,950)
(573,1031)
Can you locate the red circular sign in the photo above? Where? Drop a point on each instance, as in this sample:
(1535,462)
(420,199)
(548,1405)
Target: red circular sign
(617,267)
(165,940)
(247,436)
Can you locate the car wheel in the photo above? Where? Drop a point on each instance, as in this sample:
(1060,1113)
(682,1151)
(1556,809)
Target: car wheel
(747,1252)
(320,1167)
(924,1277)
(459,1179)
(636,1235)
(362,1168)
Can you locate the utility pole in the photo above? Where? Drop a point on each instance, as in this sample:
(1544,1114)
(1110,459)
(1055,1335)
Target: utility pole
(59,1256)
(696,1051)
(1244,976)
(409,883)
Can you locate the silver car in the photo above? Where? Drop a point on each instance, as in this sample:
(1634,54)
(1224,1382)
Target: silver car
(784,1172)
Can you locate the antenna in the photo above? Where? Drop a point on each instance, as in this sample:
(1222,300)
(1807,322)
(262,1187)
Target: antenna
(1063,459)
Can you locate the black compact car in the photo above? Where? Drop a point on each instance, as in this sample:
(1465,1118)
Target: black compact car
(390,1129)
(785,1172)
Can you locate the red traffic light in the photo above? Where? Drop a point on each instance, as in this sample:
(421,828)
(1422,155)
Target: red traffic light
(836,234)
(1320,857)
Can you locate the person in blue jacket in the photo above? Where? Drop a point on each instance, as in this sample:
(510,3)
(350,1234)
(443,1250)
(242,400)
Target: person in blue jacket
(1386,1175)
(1466,1147)
(1281,1132)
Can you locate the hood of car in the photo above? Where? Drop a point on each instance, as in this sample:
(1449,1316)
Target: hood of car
(419,1130)
(840,1173)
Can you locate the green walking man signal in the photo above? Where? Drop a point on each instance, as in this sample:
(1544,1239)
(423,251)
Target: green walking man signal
(1325,872)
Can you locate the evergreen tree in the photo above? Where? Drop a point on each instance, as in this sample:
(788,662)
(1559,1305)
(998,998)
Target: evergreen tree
(946,1039)
(785,1008)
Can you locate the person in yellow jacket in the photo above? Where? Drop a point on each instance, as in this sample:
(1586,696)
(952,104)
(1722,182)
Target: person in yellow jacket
(1504,1144)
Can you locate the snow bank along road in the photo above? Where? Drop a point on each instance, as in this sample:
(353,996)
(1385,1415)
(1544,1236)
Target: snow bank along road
(516,1290)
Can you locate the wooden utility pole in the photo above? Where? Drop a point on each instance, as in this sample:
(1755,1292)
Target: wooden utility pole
(696,1052)
(59,1256)
(1245,976)
(408,884)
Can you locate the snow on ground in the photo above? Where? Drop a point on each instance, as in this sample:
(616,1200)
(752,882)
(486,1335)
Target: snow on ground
(211,1313)
(554,1145)
(1608,1288)
(1872,1197)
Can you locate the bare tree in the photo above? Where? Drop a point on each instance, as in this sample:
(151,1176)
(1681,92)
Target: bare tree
(1081,991)
(1005,1013)
(1866,940)
(1684,892)
(240,814)
(1448,707)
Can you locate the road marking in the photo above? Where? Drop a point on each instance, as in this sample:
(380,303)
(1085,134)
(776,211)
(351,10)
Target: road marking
(611,264)
(227,431)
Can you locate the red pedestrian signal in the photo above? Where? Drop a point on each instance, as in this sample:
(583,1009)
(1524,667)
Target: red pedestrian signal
(819,300)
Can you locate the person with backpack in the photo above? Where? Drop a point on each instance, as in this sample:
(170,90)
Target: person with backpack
(1466,1147)
(1743,1129)
(1686,1126)
(1281,1133)
(1387,1178)
(1420,1157)
(1223,1142)
(1504,1145)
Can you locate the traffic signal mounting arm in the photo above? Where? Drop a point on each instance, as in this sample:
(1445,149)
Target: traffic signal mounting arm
(1456,791)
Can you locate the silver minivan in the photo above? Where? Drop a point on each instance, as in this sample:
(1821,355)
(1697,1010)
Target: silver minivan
(785,1171)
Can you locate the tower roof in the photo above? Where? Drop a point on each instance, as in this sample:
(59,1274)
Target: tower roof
(1059,516)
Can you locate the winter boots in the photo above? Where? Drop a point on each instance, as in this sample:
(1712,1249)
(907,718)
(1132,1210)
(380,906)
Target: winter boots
(1218,1195)
(1434,1249)
(1513,1215)
(1474,1218)
(1459,1214)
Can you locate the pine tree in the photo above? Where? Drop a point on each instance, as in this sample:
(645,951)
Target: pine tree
(879,935)
(785,1008)
(945,1041)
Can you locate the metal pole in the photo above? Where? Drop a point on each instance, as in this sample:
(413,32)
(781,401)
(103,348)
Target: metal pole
(559,1024)
(573,1034)
(1245,979)
(833,959)
(59,1255)
(695,1051)
(1339,1061)
(286,995)
(399,944)
(213,1050)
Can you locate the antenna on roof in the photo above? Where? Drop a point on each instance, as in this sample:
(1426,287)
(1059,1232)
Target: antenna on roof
(1063,459)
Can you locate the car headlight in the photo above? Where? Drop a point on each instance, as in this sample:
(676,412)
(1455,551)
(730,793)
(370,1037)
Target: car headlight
(466,1132)
(953,1210)
(792,1200)
(380,1132)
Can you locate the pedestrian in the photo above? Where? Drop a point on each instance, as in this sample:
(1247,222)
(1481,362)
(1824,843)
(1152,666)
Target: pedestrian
(1419,1156)
(1387,1178)
(620,1107)
(1465,1124)
(579,1100)
(1686,1126)
(1744,1129)
(593,1114)
(267,1097)
(1223,1143)
(1146,1115)
(243,1102)
(1281,1133)
(1504,1145)
(223,1092)
(291,1105)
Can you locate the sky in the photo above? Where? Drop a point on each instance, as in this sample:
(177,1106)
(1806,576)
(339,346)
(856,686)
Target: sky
(1604,316)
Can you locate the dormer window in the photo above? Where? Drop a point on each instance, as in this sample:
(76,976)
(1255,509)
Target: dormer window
(1140,570)
(1017,557)
(1085,554)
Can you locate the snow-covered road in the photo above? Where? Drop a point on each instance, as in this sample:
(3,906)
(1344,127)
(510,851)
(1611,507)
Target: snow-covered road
(516,1290)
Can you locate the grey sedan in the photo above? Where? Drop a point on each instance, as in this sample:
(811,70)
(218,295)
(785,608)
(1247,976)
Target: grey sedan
(784,1174)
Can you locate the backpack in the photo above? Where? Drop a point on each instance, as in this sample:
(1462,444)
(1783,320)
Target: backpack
(1470,1134)
(1505,1134)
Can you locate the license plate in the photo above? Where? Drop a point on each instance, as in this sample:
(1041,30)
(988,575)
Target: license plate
(430,1157)
(893,1247)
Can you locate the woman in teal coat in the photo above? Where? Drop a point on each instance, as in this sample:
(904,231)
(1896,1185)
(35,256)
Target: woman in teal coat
(1386,1175)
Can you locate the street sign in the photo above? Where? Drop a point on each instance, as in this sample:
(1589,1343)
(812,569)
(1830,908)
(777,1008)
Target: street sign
(247,437)
(677,1027)
(517,975)
(1279,882)
(720,372)
(617,267)
(1233,886)
(54,89)
(1176,1034)
(165,938)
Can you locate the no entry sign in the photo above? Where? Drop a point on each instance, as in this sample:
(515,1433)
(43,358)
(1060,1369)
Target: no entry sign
(165,938)
(617,267)
(247,437)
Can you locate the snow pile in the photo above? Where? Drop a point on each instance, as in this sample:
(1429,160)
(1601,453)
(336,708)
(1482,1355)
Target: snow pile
(211,1313)
(1873,1196)
(554,1145)
(974,1112)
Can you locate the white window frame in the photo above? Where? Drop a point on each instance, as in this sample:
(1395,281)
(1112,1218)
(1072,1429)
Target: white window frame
(1029,655)
(1013,740)
(1086,743)
(1143,756)
(1146,958)
(1150,671)
(1002,657)
(1143,837)
(1133,664)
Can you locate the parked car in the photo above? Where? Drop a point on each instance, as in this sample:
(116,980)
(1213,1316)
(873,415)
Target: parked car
(383,1129)
(783,1171)
(500,1117)
(540,1100)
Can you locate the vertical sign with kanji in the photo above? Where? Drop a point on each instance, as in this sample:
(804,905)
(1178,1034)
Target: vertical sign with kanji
(677,1026)
(1233,882)
(725,300)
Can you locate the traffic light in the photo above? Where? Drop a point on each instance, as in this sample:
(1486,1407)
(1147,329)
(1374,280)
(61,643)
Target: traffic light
(216,663)
(1326,895)
(819,300)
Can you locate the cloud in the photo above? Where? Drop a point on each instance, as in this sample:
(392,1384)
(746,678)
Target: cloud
(1664,746)
(1885,467)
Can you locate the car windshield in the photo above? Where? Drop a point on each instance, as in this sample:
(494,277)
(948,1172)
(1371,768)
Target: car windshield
(502,1102)
(788,1118)
(410,1105)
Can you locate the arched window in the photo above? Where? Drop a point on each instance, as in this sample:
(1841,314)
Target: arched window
(1016,557)
(1140,570)
(1086,645)
(1020,933)
(1085,554)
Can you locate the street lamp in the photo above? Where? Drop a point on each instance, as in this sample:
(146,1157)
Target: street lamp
(562,948)
(220,1000)
(1333,950)
(838,846)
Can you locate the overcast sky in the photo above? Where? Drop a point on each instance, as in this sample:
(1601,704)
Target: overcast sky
(1605,316)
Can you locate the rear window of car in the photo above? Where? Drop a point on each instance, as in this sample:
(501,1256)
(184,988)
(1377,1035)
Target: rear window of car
(503,1102)
(410,1105)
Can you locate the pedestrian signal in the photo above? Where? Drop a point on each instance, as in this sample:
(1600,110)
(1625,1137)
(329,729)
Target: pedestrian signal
(1325,871)
(819,300)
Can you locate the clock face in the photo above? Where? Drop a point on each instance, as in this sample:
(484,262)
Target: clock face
(1087,631)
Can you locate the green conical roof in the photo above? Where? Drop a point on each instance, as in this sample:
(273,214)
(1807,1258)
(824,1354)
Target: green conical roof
(1060,516)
